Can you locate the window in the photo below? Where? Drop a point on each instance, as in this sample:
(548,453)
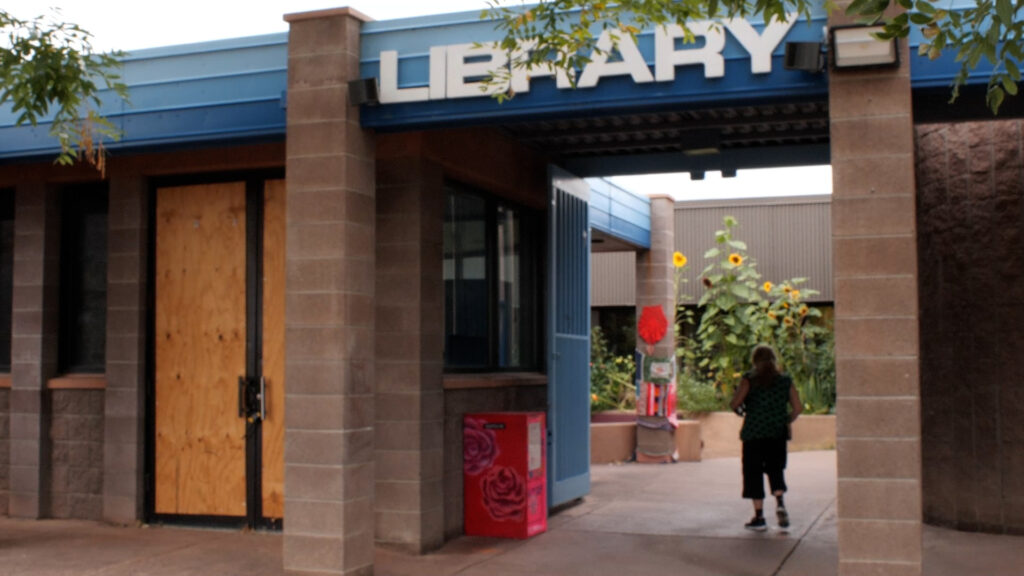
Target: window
(6,276)
(491,280)
(83,280)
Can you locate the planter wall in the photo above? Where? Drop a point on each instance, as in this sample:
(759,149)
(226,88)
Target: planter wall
(710,435)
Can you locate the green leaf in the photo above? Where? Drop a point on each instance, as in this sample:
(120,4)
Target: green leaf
(738,244)
(1004,9)
(1013,70)
(712,253)
(1010,86)
(920,19)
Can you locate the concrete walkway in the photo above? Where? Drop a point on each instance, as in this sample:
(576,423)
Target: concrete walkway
(682,519)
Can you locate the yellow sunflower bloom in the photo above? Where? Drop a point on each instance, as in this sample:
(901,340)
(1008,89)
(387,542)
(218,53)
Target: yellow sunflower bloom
(785,305)
(767,287)
(678,260)
(804,310)
(787,321)
(772,315)
(787,289)
(735,259)
(794,295)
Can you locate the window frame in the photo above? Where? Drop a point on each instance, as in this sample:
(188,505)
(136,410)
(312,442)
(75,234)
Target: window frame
(530,271)
(76,202)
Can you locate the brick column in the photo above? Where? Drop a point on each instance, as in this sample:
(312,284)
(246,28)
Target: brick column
(875,258)
(123,463)
(654,271)
(410,332)
(329,314)
(33,344)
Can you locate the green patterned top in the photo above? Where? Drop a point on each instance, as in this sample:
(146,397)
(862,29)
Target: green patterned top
(767,409)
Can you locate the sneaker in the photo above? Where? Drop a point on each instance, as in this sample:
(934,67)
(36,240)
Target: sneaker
(783,517)
(757,524)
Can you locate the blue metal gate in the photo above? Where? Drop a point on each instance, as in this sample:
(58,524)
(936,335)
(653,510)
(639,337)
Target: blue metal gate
(568,339)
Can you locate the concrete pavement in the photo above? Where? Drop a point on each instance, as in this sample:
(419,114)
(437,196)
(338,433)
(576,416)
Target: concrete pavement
(683,519)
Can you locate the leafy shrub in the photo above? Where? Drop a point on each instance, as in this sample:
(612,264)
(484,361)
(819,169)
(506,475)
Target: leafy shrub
(611,376)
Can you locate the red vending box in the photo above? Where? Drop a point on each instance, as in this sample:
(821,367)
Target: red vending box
(505,474)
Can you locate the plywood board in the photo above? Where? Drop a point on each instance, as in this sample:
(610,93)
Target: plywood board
(200,349)
(274,231)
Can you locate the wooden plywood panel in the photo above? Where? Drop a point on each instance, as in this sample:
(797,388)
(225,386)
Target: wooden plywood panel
(200,349)
(273,347)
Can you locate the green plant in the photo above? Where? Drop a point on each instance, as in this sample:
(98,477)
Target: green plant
(738,311)
(694,395)
(611,376)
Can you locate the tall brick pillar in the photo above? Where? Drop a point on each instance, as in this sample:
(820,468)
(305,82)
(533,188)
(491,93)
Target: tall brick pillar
(126,350)
(410,331)
(875,258)
(654,271)
(329,311)
(33,344)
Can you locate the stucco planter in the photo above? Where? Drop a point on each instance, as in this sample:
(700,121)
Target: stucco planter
(613,438)
(721,433)
(699,436)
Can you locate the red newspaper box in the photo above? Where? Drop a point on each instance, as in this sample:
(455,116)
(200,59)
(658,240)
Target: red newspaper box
(505,474)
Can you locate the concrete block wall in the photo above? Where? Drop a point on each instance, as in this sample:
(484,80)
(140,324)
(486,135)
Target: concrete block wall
(329,308)
(76,447)
(5,449)
(970,229)
(874,242)
(409,508)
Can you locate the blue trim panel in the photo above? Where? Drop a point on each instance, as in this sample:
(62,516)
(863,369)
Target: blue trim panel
(412,39)
(223,90)
(620,213)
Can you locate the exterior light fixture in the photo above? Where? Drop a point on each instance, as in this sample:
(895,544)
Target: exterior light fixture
(805,56)
(363,91)
(700,142)
(857,47)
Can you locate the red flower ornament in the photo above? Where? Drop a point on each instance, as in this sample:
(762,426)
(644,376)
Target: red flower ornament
(652,325)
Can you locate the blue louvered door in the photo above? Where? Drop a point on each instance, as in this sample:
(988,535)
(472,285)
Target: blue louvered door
(568,339)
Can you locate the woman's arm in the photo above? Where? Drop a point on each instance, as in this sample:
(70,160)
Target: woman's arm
(740,395)
(794,403)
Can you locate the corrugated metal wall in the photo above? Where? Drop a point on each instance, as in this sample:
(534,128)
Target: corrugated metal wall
(788,237)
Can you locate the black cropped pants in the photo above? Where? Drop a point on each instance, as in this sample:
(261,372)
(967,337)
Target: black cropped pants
(762,457)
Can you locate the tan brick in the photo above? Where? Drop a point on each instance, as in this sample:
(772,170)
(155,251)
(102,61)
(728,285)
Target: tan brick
(876,336)
(873,216)
(869,568)
(879,499)
(878,417)
(876,296)
(329,448)
(872,136)
(875,95)
(329,518)
(878,458)
(881,256)
(328,483)
(878,376)
(879,541)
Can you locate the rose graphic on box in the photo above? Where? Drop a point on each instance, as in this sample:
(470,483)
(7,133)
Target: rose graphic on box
(504,493)
(479,447)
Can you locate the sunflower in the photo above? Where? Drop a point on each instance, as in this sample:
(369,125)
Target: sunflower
(804,310)
(772,315)
(787,321)
(787,289)
(785,305)
(735,259)
(794,295)
(707,282)
(767,287)
(678,260)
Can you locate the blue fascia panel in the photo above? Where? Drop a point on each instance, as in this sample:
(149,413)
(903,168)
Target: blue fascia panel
(620,213)
(413,38)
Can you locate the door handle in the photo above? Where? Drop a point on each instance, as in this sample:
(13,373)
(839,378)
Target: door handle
(251,403)
(263,398)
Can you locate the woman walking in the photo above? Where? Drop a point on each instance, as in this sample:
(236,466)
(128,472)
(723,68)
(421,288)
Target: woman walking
(769,403)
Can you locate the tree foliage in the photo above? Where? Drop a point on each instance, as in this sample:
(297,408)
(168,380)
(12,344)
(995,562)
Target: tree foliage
(48,67)
(564,33)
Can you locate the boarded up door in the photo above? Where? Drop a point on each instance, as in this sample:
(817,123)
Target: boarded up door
(200,349)
(273,348)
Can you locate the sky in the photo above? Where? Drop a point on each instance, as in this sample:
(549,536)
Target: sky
(136,24)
